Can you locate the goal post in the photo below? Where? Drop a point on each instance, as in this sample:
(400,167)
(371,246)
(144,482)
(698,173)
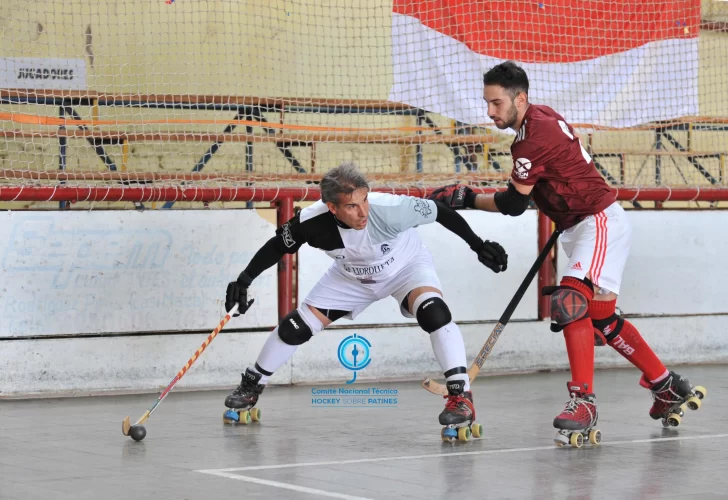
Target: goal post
(218,101)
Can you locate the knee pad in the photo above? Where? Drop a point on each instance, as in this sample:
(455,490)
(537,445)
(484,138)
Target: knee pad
(431,311)
(299,326)
(569,301)
(604,332)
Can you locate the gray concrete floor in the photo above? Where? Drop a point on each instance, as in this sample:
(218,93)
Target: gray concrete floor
(73,448)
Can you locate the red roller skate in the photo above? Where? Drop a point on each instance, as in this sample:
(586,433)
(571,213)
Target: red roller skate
(576,423)
(459,414)
(671,396)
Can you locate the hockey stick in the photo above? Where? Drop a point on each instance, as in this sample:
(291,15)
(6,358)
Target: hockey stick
(137,430)
(440,389)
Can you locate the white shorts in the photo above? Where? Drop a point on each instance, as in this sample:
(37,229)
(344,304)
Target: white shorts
(599,245)
(336,291)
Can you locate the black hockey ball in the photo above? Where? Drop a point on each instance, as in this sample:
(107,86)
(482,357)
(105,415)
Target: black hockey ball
(137,432)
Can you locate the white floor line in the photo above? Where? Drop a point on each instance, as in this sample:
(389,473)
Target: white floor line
(286,486)
(219,472)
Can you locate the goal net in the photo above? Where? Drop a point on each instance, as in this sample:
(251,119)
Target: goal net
(224,100)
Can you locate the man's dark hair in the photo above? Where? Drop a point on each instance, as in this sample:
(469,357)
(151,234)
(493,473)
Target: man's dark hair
(508,75)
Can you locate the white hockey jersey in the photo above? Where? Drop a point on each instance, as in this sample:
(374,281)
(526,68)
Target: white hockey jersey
(370,255)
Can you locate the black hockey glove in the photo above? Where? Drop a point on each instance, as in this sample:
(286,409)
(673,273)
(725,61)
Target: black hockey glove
(492,256)
(237,293)
(455,196)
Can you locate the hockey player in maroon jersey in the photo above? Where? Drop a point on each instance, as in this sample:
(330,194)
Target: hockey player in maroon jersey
(552,167)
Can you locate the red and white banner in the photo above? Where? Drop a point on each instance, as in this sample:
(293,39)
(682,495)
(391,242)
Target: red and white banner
(611,63)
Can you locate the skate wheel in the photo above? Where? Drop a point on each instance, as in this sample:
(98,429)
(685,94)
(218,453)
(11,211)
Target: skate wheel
(700,391)
(561,440)
(448,434)
(230,417)
(693,403)
(673,420)
(255,414)
(576,440)
(595,436)
(477,430)
(244,417)
(464,433)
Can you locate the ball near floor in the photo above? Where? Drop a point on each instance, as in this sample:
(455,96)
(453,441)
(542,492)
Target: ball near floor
(137,432)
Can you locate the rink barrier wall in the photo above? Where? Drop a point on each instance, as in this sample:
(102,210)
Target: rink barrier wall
(97,302)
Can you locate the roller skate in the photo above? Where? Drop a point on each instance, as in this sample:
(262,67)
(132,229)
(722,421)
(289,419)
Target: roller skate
(242,400)
(671,396)
(576,423)
(459,414)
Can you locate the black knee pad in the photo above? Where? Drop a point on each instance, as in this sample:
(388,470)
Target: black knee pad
(433,314)
(293,330)
(568,302)
(603,335)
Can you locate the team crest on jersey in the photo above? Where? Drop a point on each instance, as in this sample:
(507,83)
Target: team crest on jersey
(385,249)
(522,166)
(423,208)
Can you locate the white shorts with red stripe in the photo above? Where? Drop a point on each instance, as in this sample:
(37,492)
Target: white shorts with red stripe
(599,245)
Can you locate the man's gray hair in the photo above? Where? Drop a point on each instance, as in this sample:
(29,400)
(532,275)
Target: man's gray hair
(344,179)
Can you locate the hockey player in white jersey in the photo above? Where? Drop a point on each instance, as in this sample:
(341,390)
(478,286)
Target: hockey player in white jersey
(376,253)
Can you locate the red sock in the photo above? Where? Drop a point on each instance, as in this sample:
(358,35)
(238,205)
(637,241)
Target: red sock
(628,342)
(579,337)
(601,310)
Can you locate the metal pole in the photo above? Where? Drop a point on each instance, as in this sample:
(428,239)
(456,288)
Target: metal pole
(286,303)
(547,273)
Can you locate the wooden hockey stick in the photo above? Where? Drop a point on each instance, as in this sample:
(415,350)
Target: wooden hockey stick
(126,424)
(440,389)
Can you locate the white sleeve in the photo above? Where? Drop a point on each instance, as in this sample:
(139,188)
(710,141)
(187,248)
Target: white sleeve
(410,211)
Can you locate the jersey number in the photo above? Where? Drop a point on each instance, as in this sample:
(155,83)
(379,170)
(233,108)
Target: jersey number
(565,129)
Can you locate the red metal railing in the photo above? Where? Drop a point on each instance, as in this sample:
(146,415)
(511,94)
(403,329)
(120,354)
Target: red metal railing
(239,194)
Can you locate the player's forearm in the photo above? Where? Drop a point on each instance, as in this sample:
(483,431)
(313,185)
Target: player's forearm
(455,223)
(486,202)
(268,256)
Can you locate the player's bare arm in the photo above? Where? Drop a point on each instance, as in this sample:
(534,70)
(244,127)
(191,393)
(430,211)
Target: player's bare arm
(513,201)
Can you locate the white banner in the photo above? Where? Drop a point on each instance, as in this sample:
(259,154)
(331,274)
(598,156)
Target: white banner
(440,74)
(42,73)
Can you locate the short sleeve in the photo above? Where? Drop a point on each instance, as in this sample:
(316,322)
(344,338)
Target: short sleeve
(535,151)
(413,212)
(529,162)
